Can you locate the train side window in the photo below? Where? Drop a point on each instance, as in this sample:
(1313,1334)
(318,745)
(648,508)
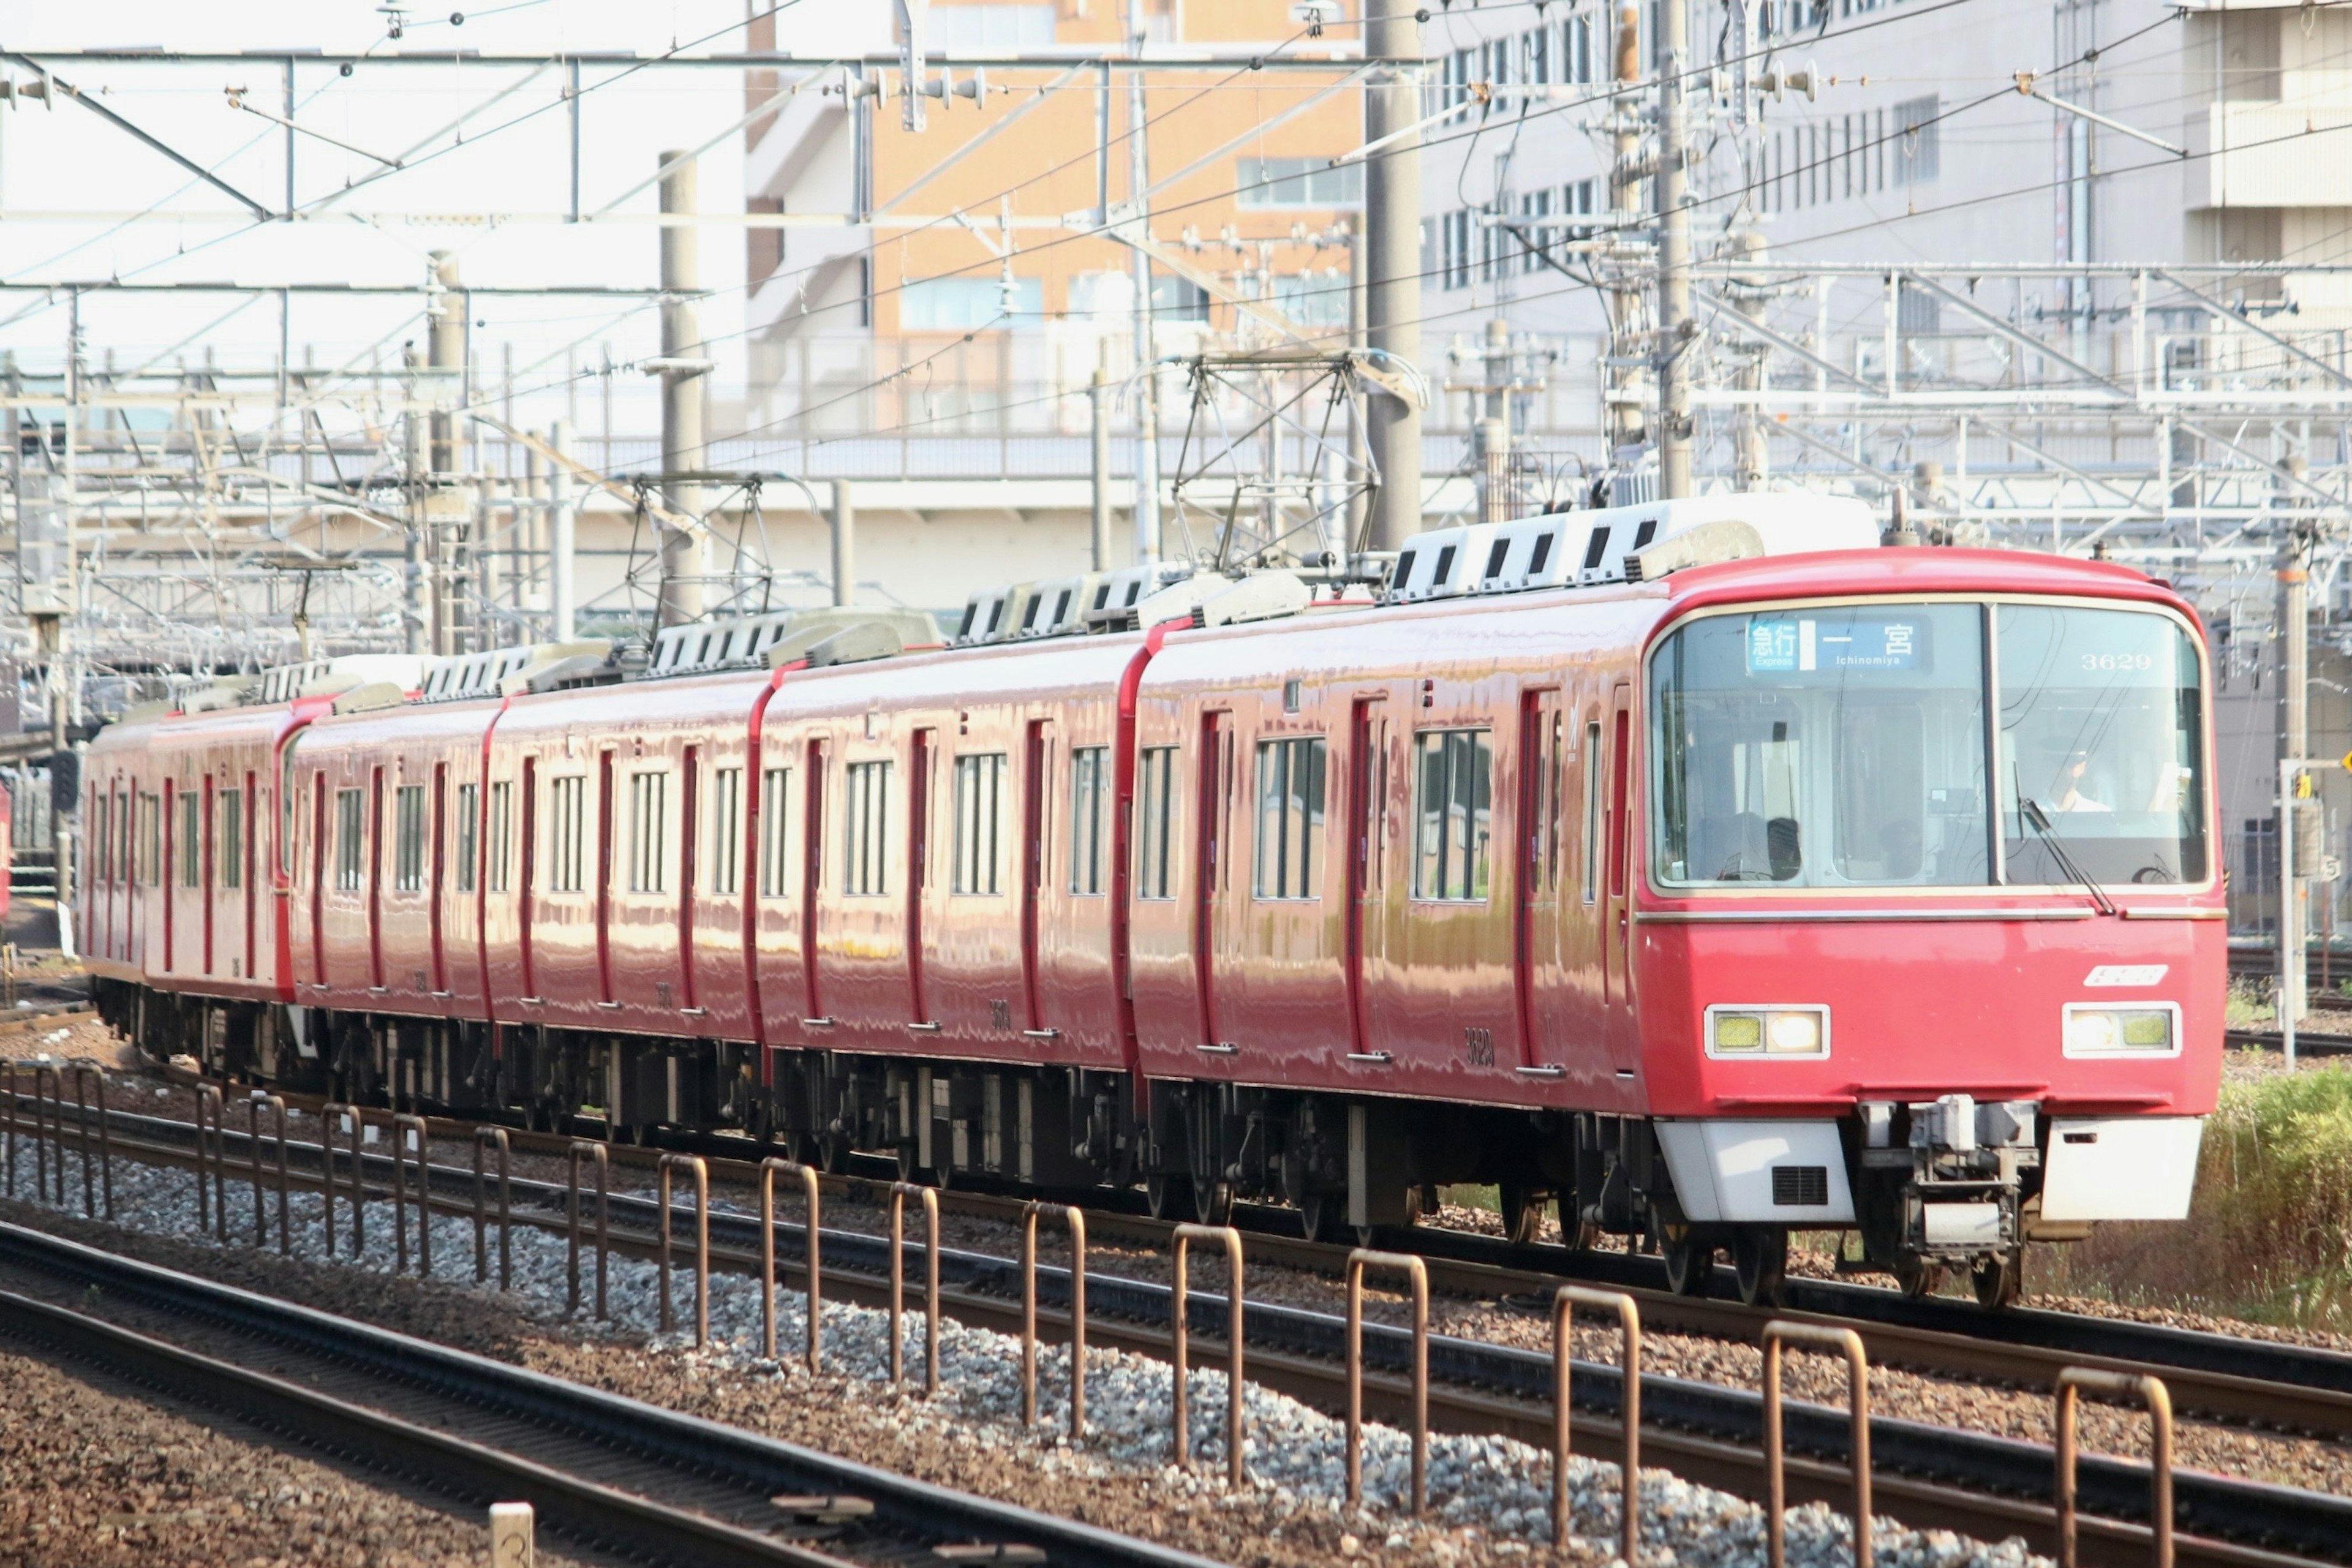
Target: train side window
(1089,814)
(231,860)
(1453,774)
(1154,797)
(105,840)
(865,827)
(567,824)
(774,837)
(408,838)
(350,839)
(501,833)
(191,846)
(979,816)
(1289,818)
(726,830)
(648,829)
(151,839)
(469,835)
(1590,858)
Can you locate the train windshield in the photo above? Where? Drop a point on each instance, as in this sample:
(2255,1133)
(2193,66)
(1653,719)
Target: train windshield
(1846,747)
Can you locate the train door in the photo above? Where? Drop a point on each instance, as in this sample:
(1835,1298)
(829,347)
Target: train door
(527,878)
(921,748)
(690,843)
(318,877)
(376,879)
(1036,767)
(812,877)
(250,803)
(1213,920)
(1542,980)
(1617,918)
(439,883)
(210,879)
(605,818)
(1367,938)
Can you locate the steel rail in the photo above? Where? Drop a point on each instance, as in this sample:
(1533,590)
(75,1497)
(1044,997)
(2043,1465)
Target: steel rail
(1932,1476)
(903,1510)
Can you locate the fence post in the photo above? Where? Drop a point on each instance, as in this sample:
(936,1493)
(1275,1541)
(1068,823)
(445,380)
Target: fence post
(768,1171)
(701,1172)
(255,1103)
(2149,1390)
(1838,1342)
(899,1193)
(81,1068)
(42,1137)
(96,1073)
(1417,1272)
(498,1137)
(1077,1223)
(327,1113)
(402,1125)
(208,1094)
(1629,1362)
(1231,1239)
(8,1068)
(580,1147)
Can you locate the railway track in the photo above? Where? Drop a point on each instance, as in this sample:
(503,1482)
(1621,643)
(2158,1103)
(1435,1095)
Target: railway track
(1930,1476)
(608,1473)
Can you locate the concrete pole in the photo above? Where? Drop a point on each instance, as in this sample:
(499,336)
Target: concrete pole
(1497,366)
(419,617)
(682,396)
(448,510)
(562,523)
(1358,453)
(1493,441)
(1392,263)
(2293,742)
(1147,380)
(531,535)
(845,541)
(1753,456)
(1098,401)
(1621,416)
(489,634)
(1673,258)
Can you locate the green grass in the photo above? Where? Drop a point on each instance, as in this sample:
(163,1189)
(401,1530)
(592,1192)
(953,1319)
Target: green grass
(2269,1235)
(2249,1004)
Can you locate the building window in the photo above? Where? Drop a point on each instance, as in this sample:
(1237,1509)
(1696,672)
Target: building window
(969,304)
(1298,183)
(1311,298)
(979,801)
(191,846)
(350,839)
(1454,253)
(567,833)
(1454,779)
(1537,47)
(774,836)
(470,835)
(727,830)
(1536,207)
(866,828)
(1154,802)
(232,838)
(501,832)
(1914,130)
(1289,818)
(408,855)
(1591,856)
(648,828)
(1090,817)
(1578,46)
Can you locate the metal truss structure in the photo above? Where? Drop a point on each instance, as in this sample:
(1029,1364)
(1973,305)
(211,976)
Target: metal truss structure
(1273,469)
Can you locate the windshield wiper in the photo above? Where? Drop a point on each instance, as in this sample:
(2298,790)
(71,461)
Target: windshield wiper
(2030,809)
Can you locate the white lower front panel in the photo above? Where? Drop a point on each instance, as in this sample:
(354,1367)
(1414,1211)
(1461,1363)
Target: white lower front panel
(1758,1173)
(2121,1167)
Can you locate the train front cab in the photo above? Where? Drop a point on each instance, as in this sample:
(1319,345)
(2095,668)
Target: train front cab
(1931,944)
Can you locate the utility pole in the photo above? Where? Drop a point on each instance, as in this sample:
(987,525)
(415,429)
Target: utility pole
(1752,452)
(561,525)
(447,509)
(1147,379)
(845,541)
(1674,257)
(683,370)
(418,620)
(1098,405)
(1621,412)
(2300,846)
(1392,261)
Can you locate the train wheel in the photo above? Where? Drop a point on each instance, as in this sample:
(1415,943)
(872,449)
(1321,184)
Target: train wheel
(1917,1277)
(1688,1262)
(1523,1213)
(1168,1196)
(1759,1257)
(833,1151)
(1324,1215)
(1999,1281)
(1214,1204)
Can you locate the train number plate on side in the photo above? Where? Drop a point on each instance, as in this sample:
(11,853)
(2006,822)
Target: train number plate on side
(1478,1045)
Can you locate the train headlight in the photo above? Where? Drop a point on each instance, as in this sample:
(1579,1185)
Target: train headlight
(1767,1031)
(2146,1030)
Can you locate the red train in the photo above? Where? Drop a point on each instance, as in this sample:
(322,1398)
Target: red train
(1655,861)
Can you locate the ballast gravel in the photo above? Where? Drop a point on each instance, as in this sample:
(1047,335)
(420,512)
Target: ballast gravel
(1489,1496)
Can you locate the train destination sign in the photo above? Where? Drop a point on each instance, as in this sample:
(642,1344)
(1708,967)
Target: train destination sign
(1803,644)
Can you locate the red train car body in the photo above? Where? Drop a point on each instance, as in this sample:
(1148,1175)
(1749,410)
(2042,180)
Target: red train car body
(1865,889)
